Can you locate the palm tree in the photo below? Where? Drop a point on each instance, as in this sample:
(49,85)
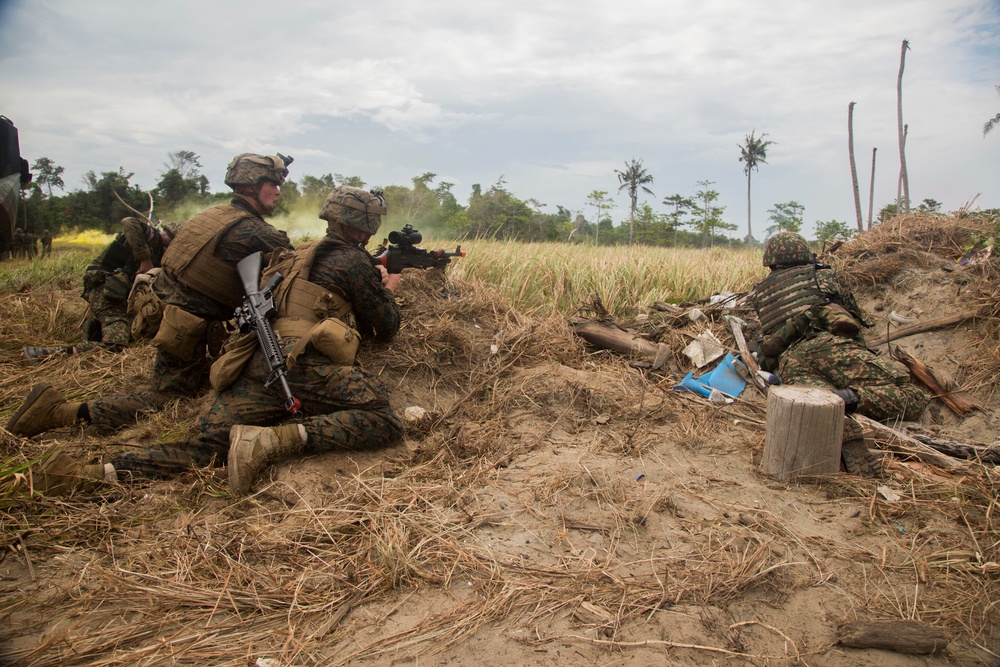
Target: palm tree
(752,154)
(633,178)
(992,122)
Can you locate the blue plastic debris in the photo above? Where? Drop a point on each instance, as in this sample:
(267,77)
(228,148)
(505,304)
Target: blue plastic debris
(724,378)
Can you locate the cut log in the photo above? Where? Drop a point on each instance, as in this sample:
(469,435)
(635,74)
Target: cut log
(805,428)
(910,637)
(941,323)
(895,441)
(612,338)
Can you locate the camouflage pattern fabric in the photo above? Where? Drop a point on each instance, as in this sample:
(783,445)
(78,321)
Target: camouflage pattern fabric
(108,280)
(107,294)
(787,249)
(344,407)
(883,385)
(250,235)
(173,376)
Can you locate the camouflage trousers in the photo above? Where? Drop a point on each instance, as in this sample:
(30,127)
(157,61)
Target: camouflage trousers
(345,408)
(109,323)
(172,378)
(883,385)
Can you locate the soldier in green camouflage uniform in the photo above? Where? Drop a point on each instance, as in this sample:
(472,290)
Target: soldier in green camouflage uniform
(812,333)
(210,245)
(106,285)
(345,407)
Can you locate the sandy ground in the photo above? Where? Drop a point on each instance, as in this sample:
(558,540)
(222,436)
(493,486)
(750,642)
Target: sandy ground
(556,506)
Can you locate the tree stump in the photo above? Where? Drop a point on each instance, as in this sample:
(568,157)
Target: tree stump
(805,429)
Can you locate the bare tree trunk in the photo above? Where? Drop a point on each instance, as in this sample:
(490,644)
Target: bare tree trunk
(871,191)
(904,179)
(749,229)
(854,168)
(899,180)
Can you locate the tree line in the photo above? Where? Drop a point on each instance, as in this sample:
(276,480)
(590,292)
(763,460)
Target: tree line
(693,220)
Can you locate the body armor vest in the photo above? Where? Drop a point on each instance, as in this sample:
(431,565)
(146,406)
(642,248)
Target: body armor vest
(299,302)
(786,293)
(190,257)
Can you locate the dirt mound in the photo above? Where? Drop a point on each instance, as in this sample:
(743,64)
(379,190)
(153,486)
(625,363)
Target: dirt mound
(554,503)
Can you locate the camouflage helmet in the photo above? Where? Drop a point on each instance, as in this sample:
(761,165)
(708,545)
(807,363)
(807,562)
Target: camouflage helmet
(355,207)
(787,249)
(251,168)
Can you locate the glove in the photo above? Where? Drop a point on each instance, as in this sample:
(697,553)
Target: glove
(850,399)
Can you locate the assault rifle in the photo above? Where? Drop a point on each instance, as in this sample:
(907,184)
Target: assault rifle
(255,313)
(400,252)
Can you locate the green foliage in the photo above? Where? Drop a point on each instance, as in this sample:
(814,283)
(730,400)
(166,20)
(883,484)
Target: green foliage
(707,217)
(929,206)
(787,217)
(180,184)
(833,230)
(632,179)
(48,174)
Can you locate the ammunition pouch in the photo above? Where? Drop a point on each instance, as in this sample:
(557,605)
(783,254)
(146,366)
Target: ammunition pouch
(144,307)
(236,354)
(837,320)
(180,333)
(330,337)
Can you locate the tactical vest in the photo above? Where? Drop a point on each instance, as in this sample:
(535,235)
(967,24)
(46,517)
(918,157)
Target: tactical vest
(116,257)
(300,303)
(190,258)
(786,293)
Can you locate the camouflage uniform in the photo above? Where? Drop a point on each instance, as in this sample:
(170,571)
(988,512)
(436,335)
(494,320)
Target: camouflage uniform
(46,243)
(108,280)
(173,375)
(345,406)
(823,344)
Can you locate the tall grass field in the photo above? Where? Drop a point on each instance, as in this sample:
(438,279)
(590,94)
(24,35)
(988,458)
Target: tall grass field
(539,278)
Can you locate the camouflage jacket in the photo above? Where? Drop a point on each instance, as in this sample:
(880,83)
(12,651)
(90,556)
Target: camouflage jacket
(348,269)
(138,241)
(842,316)
(246,237)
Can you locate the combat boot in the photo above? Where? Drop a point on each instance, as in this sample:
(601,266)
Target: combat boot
(252,448)
(857,459)
(57,474)
(32,355)
(44,409)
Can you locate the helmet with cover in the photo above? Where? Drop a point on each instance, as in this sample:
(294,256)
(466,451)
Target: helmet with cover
(354,207)
(249,169)
(787,249)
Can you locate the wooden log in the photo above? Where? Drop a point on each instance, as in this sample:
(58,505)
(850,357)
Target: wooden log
(956,399)
(613,338)
(902,443)
(941,323)
(961,450)
(804,433)
(910,637)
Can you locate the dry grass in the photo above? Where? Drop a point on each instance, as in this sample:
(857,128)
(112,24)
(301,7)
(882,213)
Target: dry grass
(179,572)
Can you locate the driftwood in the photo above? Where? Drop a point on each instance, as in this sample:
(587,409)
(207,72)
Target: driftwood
(923,327)
(940,386)
(904,444)
(910,637)
(961,450)
(612,338)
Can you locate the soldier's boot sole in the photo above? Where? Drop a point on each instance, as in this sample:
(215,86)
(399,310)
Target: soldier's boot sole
(859,460)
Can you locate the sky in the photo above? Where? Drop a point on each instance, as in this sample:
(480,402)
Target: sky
(551,97)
